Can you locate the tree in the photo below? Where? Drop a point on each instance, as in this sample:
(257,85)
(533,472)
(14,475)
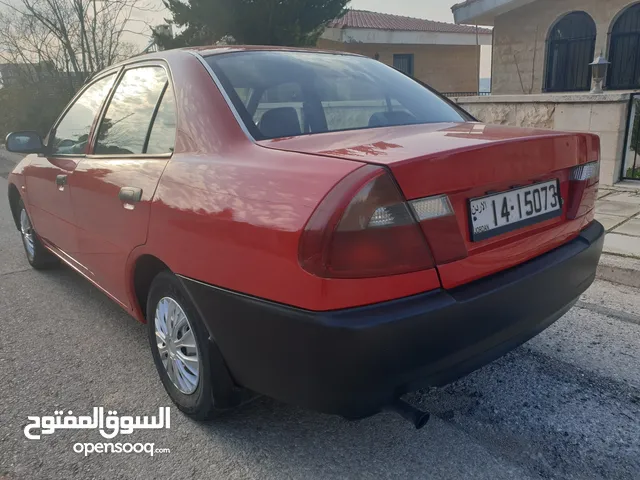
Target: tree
(29,109)
(529,89)
(255,22)
(74,38)
(49,48)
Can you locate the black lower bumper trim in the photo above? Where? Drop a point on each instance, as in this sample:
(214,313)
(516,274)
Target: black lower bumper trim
(353,362)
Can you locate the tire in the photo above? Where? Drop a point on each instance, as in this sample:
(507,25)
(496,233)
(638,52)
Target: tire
(37,255)
(214,386)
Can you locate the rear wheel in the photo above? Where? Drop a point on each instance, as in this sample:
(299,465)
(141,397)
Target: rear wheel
(37,255)
(193,376)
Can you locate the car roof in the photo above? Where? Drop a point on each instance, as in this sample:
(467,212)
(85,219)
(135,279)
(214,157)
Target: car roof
(207,50)
(220,49)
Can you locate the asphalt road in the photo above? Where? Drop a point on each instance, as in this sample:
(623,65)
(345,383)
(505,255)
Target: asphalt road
(565,405)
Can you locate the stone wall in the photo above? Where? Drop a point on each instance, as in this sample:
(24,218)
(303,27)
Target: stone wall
(447,68)
(523,31)
(605,115)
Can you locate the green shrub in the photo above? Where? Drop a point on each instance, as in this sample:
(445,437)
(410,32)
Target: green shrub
(30,107)
(633,174)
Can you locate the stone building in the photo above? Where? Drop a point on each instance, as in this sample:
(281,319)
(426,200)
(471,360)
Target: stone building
(443,55)
(541,75)
(547,45)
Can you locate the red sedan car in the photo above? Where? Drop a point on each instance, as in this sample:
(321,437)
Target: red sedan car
(312,226)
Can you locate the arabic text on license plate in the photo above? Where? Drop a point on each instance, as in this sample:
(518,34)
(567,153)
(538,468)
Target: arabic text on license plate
(503,212)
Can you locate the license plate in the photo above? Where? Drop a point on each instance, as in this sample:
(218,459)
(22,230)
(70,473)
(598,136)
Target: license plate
(503,212)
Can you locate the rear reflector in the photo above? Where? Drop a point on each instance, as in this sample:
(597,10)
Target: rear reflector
(431,207)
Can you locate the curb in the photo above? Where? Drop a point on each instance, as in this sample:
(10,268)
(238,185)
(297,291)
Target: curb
(619,269)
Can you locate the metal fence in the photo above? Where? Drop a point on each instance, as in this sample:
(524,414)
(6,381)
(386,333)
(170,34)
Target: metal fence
(631,162)
(465,94)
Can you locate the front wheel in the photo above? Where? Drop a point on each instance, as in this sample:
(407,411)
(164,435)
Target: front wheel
(182,350)
(37,255)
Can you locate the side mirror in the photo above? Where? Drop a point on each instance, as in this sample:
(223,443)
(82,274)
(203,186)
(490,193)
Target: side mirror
(24,142)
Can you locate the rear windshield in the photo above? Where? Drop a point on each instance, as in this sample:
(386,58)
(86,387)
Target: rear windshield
(285,94)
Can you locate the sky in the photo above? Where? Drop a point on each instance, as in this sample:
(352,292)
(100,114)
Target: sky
(439,10)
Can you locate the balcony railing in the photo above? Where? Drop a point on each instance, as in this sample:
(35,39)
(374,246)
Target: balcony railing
(465,94)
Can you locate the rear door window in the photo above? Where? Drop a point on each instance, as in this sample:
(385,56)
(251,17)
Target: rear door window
(126,124)
(163,129)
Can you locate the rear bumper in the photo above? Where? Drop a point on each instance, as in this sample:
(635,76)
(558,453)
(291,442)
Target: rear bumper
(352,362)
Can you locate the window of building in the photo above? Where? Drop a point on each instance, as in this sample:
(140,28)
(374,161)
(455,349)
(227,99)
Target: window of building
(570,49)
(624,50)
(72,133)
(125,126)
(404,63)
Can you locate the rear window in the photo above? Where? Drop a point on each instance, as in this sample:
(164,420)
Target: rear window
(285,94)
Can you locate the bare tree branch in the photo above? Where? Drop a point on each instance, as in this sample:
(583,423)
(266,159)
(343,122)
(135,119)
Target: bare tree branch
(71,39)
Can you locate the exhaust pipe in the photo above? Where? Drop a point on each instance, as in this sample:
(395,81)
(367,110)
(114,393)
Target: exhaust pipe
(417,417)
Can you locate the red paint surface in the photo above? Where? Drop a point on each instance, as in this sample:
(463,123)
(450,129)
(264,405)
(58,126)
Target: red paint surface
(229,212)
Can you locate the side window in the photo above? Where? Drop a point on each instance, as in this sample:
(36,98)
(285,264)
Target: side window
(124,128)
(163,130)
(72,133)
(404,63)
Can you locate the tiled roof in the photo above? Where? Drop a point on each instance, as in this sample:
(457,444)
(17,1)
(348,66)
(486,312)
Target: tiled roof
(385,21)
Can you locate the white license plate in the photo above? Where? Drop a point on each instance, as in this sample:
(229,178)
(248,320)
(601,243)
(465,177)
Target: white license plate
(503,212)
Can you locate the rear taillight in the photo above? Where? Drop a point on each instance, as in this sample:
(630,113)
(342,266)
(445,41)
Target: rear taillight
(583,189)
(364,228)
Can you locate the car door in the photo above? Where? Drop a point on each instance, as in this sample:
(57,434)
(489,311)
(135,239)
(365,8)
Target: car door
(48,176)
(113,186)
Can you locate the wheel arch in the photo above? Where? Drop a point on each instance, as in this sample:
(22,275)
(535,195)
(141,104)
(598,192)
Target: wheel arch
(14,202)
(145,269)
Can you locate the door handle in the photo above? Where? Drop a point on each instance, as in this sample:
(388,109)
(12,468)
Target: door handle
(130,194)
(61,181)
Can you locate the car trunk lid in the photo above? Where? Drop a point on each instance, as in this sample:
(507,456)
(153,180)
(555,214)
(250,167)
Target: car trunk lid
(464,162)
